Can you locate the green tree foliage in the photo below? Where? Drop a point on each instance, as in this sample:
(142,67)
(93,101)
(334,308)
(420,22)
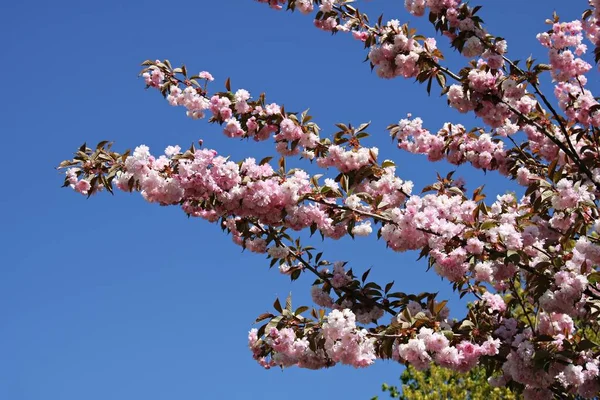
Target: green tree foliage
(439,383)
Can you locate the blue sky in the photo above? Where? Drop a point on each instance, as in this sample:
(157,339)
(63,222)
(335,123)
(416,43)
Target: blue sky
(114,298)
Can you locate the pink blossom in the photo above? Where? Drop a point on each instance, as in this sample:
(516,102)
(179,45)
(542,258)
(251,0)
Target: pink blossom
(206,75)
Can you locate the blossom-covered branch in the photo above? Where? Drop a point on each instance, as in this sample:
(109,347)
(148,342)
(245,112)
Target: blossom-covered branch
(530,262)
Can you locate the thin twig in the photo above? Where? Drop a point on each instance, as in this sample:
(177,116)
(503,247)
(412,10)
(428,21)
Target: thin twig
(312,269)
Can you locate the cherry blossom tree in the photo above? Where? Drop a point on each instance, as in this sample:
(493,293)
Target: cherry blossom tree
(530,262)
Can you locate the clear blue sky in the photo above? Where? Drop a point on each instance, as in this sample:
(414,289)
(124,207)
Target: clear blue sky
(114,298)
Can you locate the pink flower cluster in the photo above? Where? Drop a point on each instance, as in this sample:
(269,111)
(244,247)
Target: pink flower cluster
(591,25)
(239,116)
(321,297)
(494,302)
(451,142)
(435,220)
(565,64)
(581,379)
(343,343)
(555,324)
(568,68)
(541,144)
(155,77)
(288,350)
(578,103)
(429,346)
(392,190)
(417,7)
(79,185)
(566,294)
(483,84)
(432,220)
(569,195)
(348,160)
(460,21)
(340,276)
(341,280)
(275,4)
(398,53)
(189,98)
(305,6)
(210,186)
(246,189)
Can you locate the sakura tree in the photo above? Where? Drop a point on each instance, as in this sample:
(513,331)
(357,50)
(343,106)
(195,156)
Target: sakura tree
(529,262)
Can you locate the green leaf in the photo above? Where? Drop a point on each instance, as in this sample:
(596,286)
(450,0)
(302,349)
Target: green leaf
(440,306)
(277,306)
(265,160)
(388,286)
(365,275)
(101,144)
(594,277)
(362,127)
(513,256)
(488,225)
(264,316)
(397,295)
(300,310)
(296,274)
(466,325)
(282,163)
(586,344)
